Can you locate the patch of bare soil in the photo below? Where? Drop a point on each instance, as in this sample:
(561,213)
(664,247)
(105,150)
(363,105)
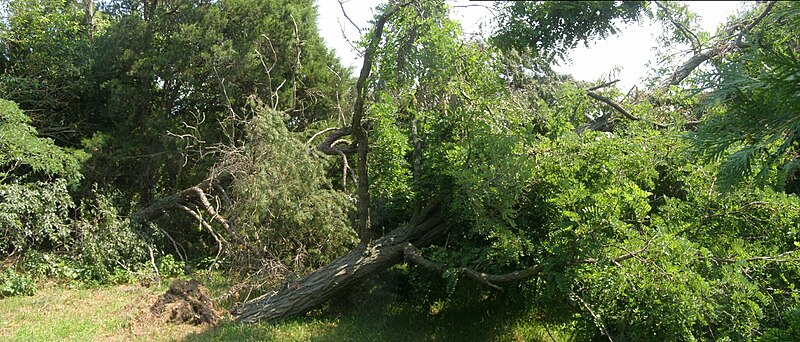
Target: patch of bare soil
(185,308)
(186,302)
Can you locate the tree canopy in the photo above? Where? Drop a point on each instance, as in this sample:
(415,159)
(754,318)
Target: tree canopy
(188,135)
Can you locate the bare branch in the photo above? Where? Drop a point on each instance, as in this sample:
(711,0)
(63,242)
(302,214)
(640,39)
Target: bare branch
(327,145)
(320,133)
(761,17)
(619,108)
(594,316)
(208,227)
(609,83)
(341,5)
(685,69)
(412,255)
(699,57)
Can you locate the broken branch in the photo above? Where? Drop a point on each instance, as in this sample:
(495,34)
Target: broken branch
(412,255)
(619,108)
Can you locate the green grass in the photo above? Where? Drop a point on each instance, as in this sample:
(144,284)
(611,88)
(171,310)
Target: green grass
(382,317)
(114,313)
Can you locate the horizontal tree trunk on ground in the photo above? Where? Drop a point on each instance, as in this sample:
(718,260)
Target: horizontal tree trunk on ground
(359,264)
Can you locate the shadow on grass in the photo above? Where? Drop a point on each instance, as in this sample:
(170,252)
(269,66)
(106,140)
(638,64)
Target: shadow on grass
(382,317)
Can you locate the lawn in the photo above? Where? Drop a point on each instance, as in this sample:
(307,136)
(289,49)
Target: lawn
(119,313)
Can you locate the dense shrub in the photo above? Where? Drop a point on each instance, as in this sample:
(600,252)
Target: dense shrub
(15,284)
(283,203)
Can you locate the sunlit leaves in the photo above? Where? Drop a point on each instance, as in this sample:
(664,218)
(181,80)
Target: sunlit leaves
(756,130)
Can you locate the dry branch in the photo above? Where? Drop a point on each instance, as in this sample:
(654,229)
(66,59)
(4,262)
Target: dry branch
(186,196)
(603,120)
(700,57)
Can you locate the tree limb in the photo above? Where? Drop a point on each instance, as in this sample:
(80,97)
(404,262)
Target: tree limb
(778,258)
(358,129)
(600,86)
(699,57)
(159,207)
(594,316)
(684,30)
(327,145)
(683,71)
(619,108)
(761,17)
(412,255)
(208,227)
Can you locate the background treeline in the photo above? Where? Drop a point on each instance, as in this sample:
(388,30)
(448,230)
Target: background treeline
(120,103)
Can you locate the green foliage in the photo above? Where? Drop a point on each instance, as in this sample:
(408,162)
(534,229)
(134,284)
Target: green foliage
(25,156)
(106,248)
(45,62)
(34,173)
(630,229)
(169,267)
(284,205)
(607,196)
(549,29)
(15,284)
(790,331)
(34,215)
(756,129)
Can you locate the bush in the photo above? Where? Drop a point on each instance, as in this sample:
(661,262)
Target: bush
(169,267)
(15,284)
(105,243)
(34,215)
(283,204)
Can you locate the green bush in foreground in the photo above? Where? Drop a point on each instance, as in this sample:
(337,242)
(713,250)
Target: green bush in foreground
(15,284)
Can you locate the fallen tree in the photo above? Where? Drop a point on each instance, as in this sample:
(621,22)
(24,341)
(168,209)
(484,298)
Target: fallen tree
(401,244)
(611,226)
(362,262)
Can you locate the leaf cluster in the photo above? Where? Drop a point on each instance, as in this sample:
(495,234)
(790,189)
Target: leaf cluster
(753,124)
(550,29)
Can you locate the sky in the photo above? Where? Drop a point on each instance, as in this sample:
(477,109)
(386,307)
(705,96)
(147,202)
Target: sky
(630,50)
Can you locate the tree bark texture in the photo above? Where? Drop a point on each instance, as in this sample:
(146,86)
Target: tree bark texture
(362,262)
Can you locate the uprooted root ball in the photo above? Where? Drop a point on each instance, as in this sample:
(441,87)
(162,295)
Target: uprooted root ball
(186,302)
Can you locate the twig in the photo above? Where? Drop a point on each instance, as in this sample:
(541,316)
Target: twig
(341,5)
(596,319)
(205,224)
(411,254)
(760,17)
(319,133)
(153,263)
(609,83)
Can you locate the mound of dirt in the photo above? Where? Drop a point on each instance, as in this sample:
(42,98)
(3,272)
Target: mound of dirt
(186,302)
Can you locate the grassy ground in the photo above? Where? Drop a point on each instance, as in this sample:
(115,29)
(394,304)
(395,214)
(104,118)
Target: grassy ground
(57,313)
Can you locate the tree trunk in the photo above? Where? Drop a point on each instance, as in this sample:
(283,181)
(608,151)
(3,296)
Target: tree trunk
(364,261)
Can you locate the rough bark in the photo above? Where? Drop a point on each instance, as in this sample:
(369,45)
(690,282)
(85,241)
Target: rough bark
(360,132)
(362,262)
